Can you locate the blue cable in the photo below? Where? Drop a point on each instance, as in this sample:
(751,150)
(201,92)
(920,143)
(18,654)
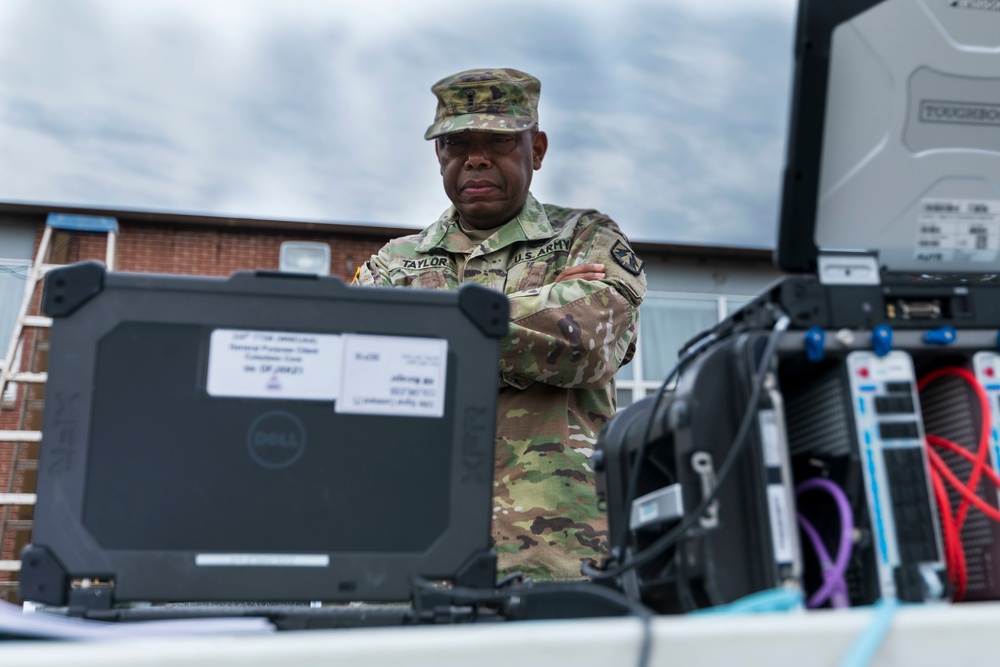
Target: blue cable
(867,644)
(773,599)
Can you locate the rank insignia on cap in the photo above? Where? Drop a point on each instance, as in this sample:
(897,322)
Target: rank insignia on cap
(624,256)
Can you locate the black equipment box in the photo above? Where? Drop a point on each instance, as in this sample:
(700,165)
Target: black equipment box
(745,540)
(266,437)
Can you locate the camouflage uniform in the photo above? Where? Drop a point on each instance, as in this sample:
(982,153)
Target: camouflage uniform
(557,367)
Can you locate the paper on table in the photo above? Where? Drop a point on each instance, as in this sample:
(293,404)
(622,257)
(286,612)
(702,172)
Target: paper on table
(14,621)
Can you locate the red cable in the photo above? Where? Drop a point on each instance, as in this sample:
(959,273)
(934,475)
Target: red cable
(967,495)
(964,453)
(954,554)
(952,525)
(984,432)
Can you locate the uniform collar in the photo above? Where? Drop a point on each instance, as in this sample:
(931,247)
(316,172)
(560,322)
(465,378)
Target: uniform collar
(530,224)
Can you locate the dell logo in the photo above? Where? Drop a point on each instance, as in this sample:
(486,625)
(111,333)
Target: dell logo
(276,439)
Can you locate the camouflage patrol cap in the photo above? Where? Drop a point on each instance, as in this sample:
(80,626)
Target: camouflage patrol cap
(492,100)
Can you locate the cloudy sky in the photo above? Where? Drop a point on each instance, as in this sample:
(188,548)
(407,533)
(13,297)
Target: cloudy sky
(669,115)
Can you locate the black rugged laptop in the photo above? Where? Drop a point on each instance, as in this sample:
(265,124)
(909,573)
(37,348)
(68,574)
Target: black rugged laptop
(261,438)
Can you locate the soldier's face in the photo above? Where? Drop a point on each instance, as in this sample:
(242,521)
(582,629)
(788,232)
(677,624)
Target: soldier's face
(487,174)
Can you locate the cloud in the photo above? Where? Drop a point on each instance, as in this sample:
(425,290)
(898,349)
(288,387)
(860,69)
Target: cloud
(667,115)
(683,139)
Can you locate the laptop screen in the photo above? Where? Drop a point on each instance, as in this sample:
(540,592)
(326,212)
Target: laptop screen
(894,135)
(265,437)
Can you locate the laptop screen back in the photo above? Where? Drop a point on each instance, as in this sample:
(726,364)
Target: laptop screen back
(894,135)
(264,437)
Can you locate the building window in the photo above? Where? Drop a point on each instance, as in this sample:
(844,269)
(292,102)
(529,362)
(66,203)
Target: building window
(13,279)
(13,282)
(666,322)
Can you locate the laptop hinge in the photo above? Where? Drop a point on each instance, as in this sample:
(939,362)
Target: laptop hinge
(848,268)
(90,595)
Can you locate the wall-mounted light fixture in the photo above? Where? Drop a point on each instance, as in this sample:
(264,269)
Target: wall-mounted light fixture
(305,257)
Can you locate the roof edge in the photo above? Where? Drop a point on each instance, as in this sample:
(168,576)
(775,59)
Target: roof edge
(198,219)
(647,248)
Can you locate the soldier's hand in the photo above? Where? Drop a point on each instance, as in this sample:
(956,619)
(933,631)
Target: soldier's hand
(582,272)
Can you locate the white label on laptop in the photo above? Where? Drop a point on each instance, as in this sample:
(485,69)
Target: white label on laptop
(262,560)
(393,375)
(274,364)
(782,523)
(770,438)
(962,230)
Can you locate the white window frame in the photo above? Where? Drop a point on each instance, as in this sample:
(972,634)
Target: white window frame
(639,385)
(10,393)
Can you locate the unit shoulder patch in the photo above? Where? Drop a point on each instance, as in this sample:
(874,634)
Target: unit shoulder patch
(626,258)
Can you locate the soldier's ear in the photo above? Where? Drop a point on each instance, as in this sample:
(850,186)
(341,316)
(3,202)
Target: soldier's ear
(437,154)
(539,144)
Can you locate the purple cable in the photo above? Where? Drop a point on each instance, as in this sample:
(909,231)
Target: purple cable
(838,596)
(834,581)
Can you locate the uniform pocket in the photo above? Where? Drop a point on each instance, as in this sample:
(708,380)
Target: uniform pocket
(532,276)
(426,279)
(433,280)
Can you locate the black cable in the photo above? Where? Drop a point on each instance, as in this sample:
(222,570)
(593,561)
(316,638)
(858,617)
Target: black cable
(510,579)
(667,540)
(684,597)
(711,588)
(473,596)
(633,478)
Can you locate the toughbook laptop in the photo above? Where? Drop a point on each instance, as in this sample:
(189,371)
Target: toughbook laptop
(893,161)
(261,438)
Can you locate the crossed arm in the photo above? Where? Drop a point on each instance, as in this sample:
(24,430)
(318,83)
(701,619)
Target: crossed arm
(568,333)
(571,334)
(582,272)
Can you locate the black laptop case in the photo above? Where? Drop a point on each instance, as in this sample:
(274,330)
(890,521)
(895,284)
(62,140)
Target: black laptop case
(266,437)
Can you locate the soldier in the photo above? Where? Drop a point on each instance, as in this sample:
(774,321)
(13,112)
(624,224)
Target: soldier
(574,287)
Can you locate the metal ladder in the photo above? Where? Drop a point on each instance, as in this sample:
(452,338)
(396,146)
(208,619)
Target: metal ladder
(27,343)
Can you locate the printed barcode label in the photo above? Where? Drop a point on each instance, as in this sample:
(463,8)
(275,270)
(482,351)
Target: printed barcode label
(958,230)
